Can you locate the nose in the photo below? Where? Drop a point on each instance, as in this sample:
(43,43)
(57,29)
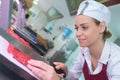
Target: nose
(78,33)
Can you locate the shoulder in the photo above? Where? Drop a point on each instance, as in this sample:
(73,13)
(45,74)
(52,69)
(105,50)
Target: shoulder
(114,60)
(114,53)
(80,57)
(115,49)
(83,52)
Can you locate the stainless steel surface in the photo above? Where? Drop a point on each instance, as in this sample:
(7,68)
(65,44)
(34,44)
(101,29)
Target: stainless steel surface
(29,51)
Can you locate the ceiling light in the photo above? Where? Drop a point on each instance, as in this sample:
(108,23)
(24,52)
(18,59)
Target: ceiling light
(17,1)
(35,2)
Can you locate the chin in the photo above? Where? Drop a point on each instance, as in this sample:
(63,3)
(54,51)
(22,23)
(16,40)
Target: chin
(83,45)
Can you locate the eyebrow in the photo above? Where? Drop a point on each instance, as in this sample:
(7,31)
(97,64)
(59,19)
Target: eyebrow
(81,24)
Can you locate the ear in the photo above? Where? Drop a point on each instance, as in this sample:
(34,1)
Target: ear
(102,27)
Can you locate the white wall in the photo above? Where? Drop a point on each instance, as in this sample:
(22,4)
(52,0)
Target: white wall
(115,19)
(40,20)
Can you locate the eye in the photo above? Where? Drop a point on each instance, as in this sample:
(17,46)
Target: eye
(84,27)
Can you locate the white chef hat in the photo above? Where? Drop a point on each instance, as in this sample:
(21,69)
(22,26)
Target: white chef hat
(95,10)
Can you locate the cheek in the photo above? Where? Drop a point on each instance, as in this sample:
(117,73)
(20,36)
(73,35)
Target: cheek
(92,36)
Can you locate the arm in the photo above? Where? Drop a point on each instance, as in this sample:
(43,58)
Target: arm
(76,71)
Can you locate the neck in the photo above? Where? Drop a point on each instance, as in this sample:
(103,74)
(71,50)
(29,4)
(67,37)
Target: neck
(96,49)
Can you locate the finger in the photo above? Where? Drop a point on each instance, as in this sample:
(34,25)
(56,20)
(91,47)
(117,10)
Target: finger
(61,75)
(62,66)
(38,72)
(39,64)
(59,65)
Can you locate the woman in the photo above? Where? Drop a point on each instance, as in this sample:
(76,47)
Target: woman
(98,59)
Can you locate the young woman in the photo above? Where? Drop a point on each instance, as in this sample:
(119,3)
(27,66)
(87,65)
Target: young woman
(98,59)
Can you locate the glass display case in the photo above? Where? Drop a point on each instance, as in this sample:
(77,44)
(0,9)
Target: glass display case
(67,49)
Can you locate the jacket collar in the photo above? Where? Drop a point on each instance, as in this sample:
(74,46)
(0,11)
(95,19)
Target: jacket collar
(105,53)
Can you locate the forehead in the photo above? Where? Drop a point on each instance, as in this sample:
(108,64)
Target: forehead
(80,19)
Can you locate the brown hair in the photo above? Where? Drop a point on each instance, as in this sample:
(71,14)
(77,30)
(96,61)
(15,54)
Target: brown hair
(106,34)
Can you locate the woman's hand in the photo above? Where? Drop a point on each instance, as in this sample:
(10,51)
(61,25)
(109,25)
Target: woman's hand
(62,66)
(42,70)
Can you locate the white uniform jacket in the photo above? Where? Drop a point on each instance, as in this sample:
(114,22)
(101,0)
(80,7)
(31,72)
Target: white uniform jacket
(110,55)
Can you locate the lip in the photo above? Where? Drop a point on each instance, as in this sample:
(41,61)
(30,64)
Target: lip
(81,40)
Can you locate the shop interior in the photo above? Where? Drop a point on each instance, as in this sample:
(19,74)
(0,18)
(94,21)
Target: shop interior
(48,27)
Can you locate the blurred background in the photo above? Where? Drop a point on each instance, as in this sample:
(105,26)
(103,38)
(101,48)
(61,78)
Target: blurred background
(52,23)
